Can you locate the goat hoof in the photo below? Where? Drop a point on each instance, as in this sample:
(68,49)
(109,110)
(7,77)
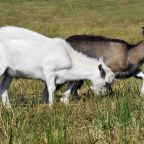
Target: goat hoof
(64,100)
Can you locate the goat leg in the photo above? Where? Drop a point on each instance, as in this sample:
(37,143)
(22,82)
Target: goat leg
(75,87)
(5,82)
(45,96)
(141,75)
(72,90)
(7,79)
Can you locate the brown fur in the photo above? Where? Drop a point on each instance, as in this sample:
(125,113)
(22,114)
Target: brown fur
(119,55)
(136,54)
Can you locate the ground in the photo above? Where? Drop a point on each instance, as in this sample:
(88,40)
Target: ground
(96,119)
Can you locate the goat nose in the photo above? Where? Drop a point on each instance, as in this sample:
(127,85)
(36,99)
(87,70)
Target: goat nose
(107,84)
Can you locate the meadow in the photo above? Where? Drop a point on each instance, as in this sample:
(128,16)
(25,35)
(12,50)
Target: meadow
(95,119)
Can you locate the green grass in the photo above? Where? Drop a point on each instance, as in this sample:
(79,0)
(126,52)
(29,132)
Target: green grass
(95,119)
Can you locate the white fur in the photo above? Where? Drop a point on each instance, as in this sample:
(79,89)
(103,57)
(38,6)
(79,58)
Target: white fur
(141,75)
(28,54)
(5,100)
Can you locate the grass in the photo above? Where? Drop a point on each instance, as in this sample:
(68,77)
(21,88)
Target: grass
(95,119)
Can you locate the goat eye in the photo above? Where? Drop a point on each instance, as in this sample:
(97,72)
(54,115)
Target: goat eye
(102,71)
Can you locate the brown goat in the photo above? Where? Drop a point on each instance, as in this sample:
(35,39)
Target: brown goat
(123,58)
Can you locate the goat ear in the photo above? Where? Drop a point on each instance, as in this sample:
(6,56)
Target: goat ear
(101,59)
(102,71)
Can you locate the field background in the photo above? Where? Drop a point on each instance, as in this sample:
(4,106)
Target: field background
(117,119)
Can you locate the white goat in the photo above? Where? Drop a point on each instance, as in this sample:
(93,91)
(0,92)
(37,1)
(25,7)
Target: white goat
(27,54)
